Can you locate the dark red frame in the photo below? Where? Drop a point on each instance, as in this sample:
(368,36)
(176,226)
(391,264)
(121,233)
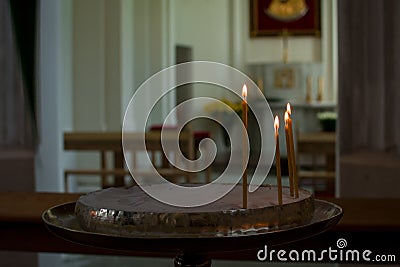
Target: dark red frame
(263,25)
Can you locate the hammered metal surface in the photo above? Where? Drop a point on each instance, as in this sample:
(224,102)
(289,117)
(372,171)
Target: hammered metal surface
(61,220)
(131,212)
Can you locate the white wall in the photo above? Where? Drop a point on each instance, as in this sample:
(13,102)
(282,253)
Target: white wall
(117,46)
(54,102)
(127,50)
(205,27)
(89,76)
(89,65)
(152,48)
(54,93)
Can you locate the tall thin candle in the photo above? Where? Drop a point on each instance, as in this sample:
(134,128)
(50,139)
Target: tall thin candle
(293,161)
(289,153)
(245,149)
(278,160)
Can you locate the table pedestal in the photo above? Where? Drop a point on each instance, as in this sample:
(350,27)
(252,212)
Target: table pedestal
(191,259)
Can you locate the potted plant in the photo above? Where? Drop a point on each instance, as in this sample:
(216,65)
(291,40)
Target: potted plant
(327,120)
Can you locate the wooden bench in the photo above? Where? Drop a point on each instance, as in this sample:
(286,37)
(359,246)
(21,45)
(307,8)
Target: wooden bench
(104,142)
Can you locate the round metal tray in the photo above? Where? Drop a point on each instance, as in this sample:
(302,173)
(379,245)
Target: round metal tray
(61,221)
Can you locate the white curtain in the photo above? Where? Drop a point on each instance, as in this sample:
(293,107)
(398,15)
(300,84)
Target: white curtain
(369,75)
(15,130)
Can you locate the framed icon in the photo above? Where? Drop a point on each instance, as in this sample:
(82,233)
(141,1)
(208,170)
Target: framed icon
(292,17)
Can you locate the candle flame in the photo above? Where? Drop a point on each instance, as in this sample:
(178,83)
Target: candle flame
(276,122)
(288,109)
(286,117)
(244,91)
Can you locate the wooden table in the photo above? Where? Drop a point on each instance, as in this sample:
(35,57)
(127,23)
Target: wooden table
(370,223)
(323,143)
(100,142)
(318,144)
(112,141)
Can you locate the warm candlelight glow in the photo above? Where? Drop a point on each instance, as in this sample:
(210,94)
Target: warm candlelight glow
(276,123)
(286,116)
(288,109)
(244,91)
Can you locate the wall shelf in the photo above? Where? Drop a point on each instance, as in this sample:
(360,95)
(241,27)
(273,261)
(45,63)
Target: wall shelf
(303,105)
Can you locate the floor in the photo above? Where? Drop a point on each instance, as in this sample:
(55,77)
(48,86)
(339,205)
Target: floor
(71,260)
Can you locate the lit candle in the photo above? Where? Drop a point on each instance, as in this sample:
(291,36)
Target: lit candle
(293,161)
(289,153)
(278,160)
(244,118)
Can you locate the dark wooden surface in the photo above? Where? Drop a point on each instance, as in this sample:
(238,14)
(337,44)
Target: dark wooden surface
(317,142)
(366,223)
